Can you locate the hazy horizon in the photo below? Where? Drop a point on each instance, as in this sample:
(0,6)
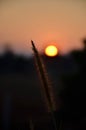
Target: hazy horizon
(45,22)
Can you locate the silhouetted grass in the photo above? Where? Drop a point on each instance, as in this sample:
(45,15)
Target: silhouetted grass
(31,124)
(45,82)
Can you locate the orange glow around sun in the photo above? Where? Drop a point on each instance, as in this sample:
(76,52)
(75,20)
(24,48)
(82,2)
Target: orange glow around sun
(51,50)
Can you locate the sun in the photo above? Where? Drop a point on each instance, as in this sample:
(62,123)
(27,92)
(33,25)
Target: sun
(51,50)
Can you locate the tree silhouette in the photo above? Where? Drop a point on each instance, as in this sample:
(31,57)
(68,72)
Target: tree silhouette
(74,93)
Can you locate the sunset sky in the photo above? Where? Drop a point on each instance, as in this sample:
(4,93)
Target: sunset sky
(62,22)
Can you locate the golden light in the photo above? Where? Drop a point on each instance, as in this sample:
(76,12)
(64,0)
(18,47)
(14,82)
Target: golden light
(51,50)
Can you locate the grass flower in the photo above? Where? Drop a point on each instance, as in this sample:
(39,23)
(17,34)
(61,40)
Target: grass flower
(45,82)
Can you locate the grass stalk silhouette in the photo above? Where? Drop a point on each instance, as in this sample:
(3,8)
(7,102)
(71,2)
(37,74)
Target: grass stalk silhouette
(45,82)
(31,124)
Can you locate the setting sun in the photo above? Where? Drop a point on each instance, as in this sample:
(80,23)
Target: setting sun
(51,50)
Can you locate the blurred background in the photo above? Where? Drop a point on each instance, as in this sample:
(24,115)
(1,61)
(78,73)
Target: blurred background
(61,23)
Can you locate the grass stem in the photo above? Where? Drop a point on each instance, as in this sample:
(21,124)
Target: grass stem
(45,83)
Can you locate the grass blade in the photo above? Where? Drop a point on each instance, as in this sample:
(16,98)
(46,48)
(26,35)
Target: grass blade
(45,82)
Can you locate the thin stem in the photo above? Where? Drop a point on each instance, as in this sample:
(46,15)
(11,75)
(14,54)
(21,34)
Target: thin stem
(45,82)
(31,125)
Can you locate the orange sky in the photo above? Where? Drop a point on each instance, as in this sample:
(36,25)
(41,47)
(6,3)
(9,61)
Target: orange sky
(44,21)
